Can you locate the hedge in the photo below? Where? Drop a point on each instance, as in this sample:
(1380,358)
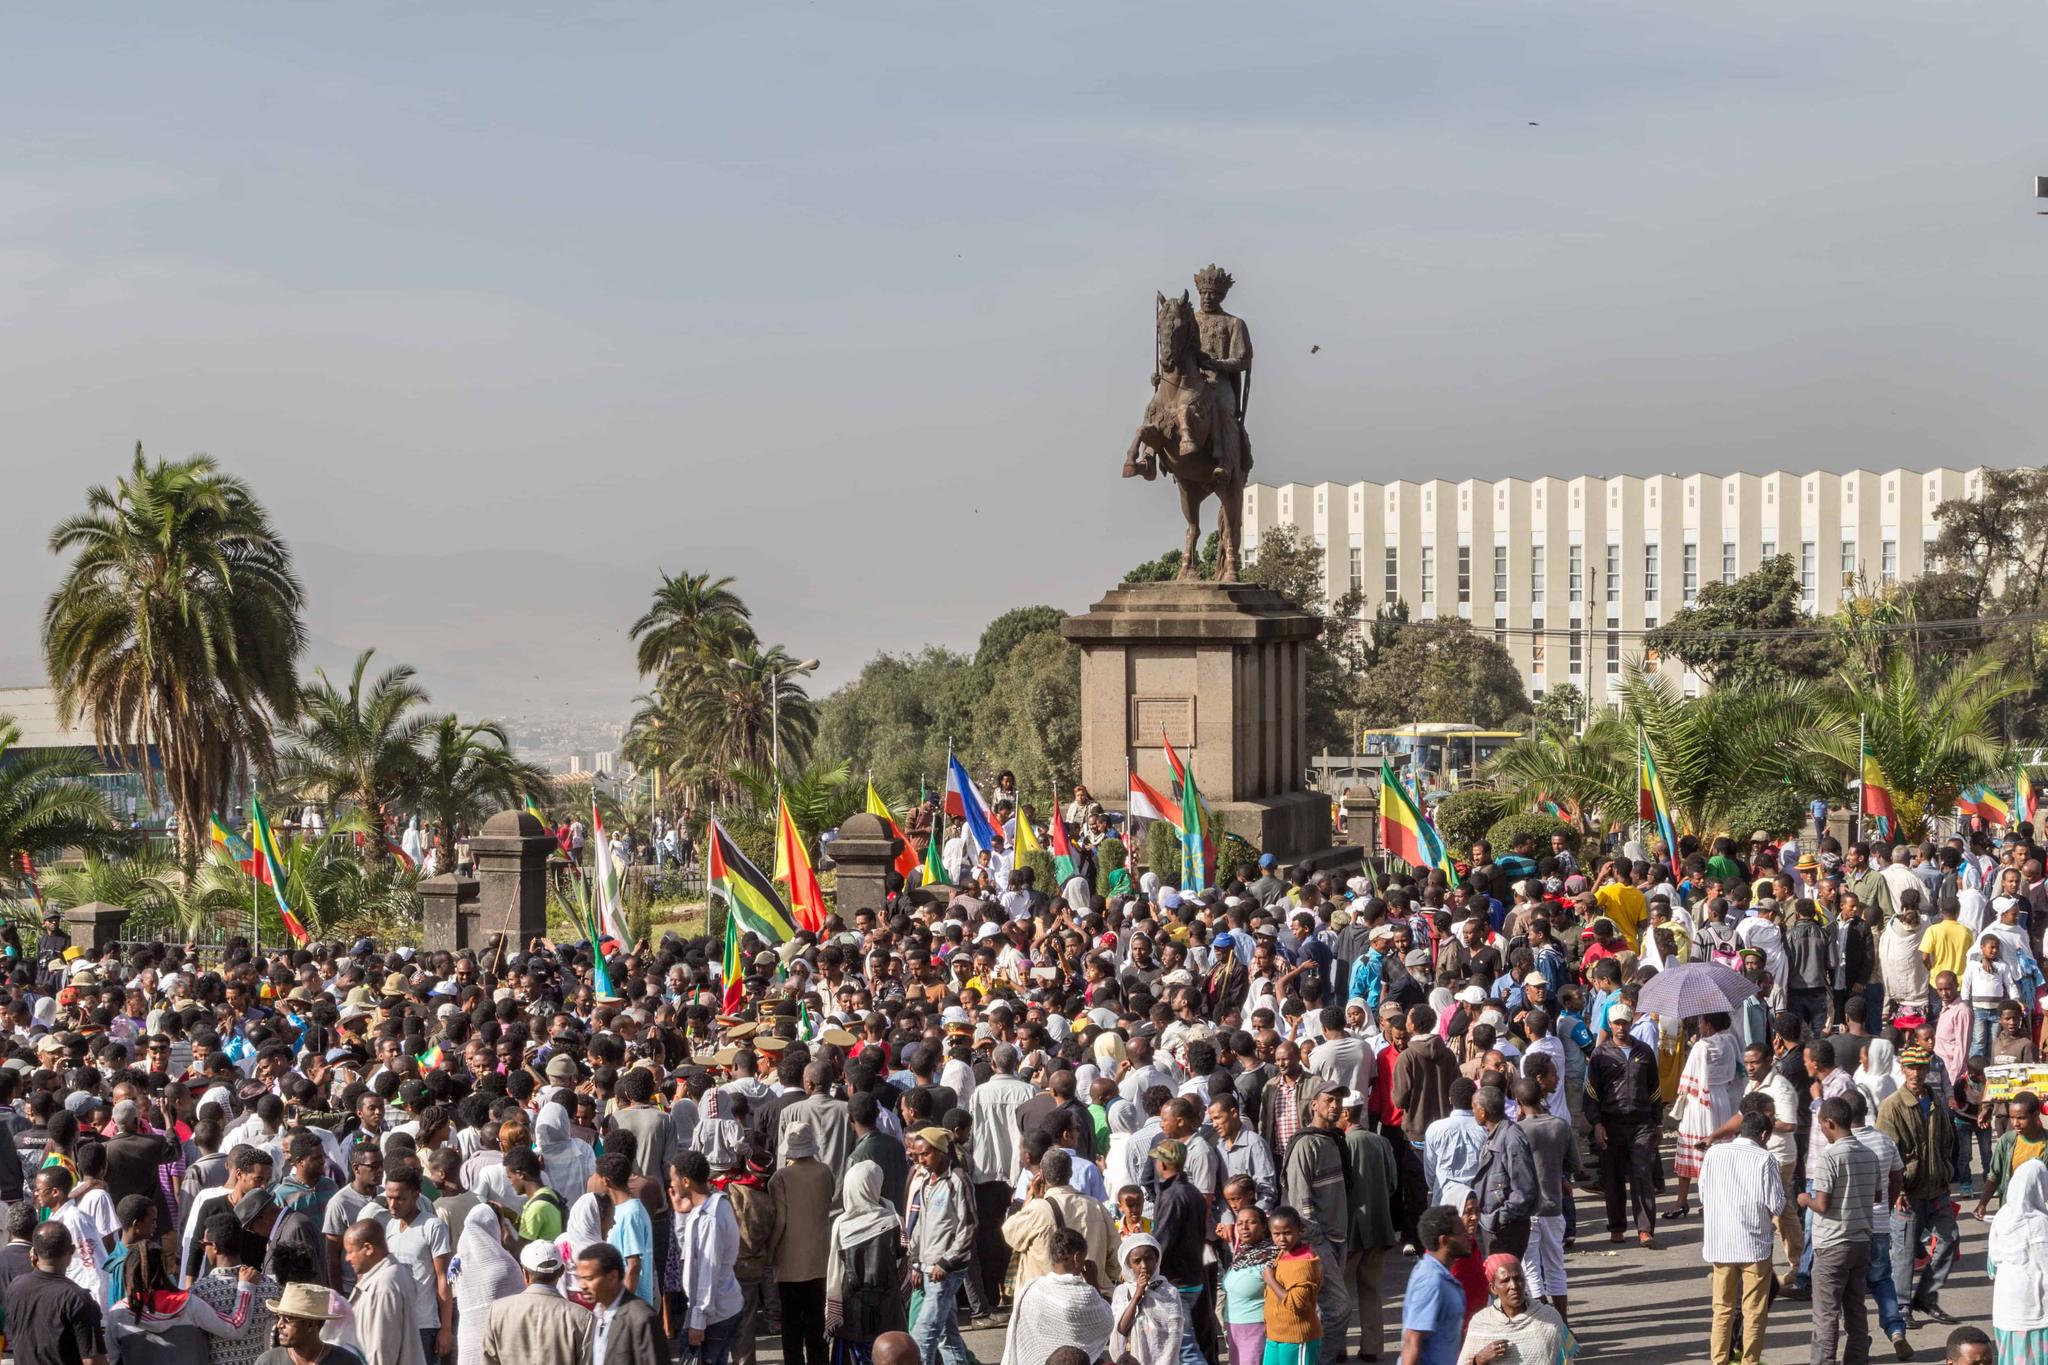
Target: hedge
(1504,832)
(1464,818)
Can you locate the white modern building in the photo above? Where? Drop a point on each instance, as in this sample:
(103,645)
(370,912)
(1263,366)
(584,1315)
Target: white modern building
(1569,573)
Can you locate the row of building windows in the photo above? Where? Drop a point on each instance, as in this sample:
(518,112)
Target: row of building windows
(1575,570)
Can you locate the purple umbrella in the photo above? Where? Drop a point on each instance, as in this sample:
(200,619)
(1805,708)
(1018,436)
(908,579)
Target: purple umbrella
(1694,988)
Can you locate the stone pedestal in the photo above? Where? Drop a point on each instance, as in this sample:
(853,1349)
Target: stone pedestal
(453,911)
(509,893)
(1362,820)
(863,852)
(1221,671)
(95,924)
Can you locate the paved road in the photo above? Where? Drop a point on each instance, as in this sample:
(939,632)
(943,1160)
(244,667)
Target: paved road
(1629,1303)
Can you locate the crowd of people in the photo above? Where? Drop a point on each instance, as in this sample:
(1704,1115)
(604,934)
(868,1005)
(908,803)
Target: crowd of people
(1290,1120)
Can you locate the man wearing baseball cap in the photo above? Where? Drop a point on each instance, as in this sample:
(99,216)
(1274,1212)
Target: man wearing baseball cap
(538,1324)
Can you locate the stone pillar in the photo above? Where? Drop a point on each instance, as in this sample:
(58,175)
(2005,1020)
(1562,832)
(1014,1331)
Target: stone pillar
(451,912)
(863,853)
(512,852)
(1362,820)
(1221,671)
(95,924)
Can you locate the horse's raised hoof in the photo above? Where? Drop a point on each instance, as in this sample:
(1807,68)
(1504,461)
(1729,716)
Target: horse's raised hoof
(1149,468)
(1132,469)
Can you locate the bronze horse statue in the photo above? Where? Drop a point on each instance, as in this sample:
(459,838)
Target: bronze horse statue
(1192,427)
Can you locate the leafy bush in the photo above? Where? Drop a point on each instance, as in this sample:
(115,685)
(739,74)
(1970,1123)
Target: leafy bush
(1507,829)
(1110,855)
(1466,816)
(1162,852)
(1777,810)
(1043,875)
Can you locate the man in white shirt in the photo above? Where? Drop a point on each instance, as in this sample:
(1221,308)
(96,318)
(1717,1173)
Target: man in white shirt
(1341,1059)
(1741,1195)
(1783,1140)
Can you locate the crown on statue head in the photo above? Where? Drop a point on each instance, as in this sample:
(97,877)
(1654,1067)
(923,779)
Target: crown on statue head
(1213,276)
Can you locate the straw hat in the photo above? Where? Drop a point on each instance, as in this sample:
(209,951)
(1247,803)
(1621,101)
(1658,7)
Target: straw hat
(301,1300)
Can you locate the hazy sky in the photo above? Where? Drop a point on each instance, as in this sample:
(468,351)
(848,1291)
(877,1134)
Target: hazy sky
(504,307)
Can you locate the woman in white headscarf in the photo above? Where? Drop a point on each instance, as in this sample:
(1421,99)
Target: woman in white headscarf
(480,1273)
(1123,1165)
(1878,1076)
(566,1161)
(2018,1261)
(863,1267)
(1145,1308)
(584,1229)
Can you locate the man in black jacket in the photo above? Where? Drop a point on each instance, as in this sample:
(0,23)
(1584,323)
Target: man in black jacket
(1180,1224)
(1623,1109)
(1810,965)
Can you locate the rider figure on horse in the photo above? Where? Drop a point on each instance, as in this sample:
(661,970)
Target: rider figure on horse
(1227,364)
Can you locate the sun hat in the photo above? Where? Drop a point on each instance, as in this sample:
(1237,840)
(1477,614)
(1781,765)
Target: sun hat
(302,1300)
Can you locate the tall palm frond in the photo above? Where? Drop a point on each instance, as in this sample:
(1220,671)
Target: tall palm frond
(177,627)
(694,620)
(46,804)
(466,773)
(357,747)
(1934,732)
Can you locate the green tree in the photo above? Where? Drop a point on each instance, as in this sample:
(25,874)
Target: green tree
(1012,629)
(1442,671)
(467,773)
(46,804)
(1712,753)
(1167,567)
(1720,637)
(1990,561)
(177,626)
(734,716)
(1031,721)
(693,623)
(1465,816)
(1934,732)
(1562,711)
(356,747)
(895,719)
(1293,565)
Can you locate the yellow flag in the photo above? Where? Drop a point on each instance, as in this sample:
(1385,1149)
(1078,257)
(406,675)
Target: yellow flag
(1026,841)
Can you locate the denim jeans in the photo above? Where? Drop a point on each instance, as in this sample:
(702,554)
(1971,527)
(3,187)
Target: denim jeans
(1877,1278)
(718,1342)
(1910,1231)
(1983,1027)
(1968,1134)
(937,1333)
(1190,1348)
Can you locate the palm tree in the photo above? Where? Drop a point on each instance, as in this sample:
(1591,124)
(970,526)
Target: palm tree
(467,772)
(149,885)
(177,627)
(1713,752)
(330,889)
(45,803)
(1934,731)
(728,714)
(694,622)
(820,796)
(358,748)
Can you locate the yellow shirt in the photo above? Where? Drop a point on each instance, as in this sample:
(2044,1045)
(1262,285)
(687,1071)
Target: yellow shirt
(1947,944)
(2024,1151)
(1625,906)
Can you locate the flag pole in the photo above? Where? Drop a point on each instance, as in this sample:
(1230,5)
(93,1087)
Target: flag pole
(1856,812)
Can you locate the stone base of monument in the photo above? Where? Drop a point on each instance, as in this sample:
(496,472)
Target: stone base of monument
(1219,671)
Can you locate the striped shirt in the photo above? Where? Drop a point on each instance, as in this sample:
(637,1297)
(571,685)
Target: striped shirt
(1845,1171)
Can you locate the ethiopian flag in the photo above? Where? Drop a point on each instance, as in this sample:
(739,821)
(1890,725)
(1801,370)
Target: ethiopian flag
(272,863)
(906,861)
(1401,821)
(1875,797)
(1652,806)
(533,808)
(234,845)
(1986,804)
(1197,849)
(748,894)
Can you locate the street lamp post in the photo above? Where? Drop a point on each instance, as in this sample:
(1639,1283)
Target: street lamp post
(775,708)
